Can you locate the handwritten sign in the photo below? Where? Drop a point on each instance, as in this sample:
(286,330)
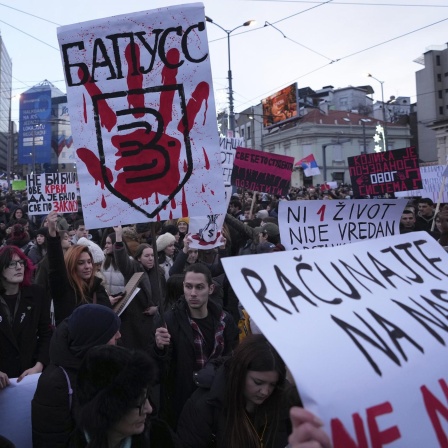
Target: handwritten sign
(310,224)
(385,172)
(206,231)
(52,191)
(260,171)
(363,329)
(142,112)
(432,181)
(228,147)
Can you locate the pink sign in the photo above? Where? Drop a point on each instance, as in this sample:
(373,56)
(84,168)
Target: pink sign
(259,171)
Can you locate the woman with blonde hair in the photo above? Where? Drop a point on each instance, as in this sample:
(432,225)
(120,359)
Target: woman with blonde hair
(72,276)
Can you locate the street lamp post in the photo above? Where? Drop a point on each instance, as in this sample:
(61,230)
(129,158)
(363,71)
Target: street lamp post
(363,122)
(229,73)
(369,75)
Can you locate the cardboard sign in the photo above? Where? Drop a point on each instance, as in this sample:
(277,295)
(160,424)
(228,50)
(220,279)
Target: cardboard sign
(310,224)
(432,180)
(206,231)
(51,191)
(142,112)
(363,328)
(260,171)
(19,185)
(384,172)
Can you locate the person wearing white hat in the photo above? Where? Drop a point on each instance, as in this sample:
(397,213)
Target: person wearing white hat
(165,252)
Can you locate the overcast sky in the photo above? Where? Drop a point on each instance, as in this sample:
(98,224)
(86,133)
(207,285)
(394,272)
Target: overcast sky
(317,50)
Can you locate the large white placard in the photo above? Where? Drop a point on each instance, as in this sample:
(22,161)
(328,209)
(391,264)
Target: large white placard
(310,224)
(52,192)
(364,329)
(143,116)
(432,181)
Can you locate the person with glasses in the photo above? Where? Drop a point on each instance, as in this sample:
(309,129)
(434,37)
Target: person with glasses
(25,330)
(113,386)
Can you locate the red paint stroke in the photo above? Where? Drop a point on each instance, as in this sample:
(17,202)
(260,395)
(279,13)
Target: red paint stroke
(200,94)
(203,188)
(94,166)
(171,214)
(185,166)
(167,96)
(103,202)
(205,243)
(173,203)
(184,203)
(207,163)
(84,107)
(108,118)
(212,192)
(157,198)
(134,80)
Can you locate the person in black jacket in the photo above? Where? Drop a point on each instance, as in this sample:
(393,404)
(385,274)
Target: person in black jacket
(115,408)
(24,318)
(72,276)
(244,403)
(53,406)
(195,331)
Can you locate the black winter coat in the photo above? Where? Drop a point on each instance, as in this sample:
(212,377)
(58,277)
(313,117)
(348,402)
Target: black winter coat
(27,340)
(177,363)
(51,413)
(202,422)
(137,330)
(64,296)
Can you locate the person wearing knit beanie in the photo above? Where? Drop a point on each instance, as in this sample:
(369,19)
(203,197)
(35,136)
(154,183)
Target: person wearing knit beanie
(53,406)
(96,251)
(90,325)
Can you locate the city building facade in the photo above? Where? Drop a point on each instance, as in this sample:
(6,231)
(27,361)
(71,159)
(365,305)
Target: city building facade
(432,105)
(5,105)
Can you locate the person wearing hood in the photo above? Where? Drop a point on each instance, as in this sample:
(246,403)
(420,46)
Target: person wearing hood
(54,404)
(18,237)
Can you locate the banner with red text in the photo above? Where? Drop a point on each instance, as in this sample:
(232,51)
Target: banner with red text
(52,192)
(311,224)
(260,171)
(381,173)
(143,116)
(363,328)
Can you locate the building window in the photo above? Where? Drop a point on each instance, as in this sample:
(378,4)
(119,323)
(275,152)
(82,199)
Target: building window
(441,110)
(242,132)
(440,94)
(437,60)
(248,133)
(343,101)
(439,77)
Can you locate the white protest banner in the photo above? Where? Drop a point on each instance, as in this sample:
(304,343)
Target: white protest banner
(206,231)
(364,330)
(228,149)
(15,410)
(310,224)
(432,180)
(142,112)
(51,191)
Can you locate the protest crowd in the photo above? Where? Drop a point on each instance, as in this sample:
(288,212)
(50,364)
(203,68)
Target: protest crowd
(183,364)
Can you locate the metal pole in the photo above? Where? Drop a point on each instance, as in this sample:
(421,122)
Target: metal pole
(384,116)
(364,137)
(229,74)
